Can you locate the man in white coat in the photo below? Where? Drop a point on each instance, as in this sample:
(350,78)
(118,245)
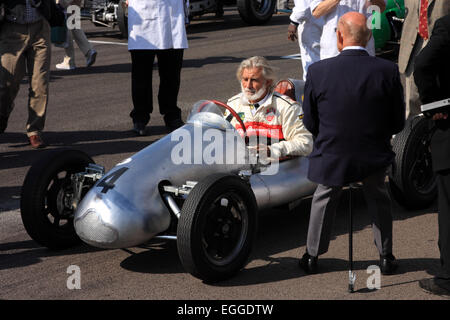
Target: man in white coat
(156,28)
(331,11)
(308,30)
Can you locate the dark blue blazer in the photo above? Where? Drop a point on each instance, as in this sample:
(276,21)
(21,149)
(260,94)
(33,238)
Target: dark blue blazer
(353,105)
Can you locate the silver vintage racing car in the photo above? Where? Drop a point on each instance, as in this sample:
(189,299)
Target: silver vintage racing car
(202,185)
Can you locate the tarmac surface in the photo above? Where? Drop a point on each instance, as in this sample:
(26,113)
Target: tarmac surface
(88,110)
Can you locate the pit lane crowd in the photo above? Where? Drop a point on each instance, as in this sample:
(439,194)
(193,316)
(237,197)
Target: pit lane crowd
(342,76)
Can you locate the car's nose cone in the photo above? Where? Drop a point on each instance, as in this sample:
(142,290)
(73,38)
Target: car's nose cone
(93,230)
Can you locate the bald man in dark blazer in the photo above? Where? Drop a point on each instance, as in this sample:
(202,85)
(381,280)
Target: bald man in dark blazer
(353,104)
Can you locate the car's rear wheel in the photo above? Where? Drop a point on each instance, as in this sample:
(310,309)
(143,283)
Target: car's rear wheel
(412,180)
(46,196)
(217,227)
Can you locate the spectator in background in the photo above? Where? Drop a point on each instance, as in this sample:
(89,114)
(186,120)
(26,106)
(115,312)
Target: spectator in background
(331,11)
(80,37)
(25,46)
(423,13)
(156,28)
(432,77)
(307,30)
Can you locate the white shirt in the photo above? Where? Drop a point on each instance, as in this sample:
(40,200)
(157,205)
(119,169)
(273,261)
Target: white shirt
(309,33)
(302,12)
(328,41)
(157,24)
(354,48)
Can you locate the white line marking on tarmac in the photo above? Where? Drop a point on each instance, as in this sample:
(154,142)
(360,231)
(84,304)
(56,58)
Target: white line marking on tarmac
(109,42)
(292,56)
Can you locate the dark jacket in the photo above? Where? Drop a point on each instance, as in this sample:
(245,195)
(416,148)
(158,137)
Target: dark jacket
(17,7)
(432,76)
(353,105)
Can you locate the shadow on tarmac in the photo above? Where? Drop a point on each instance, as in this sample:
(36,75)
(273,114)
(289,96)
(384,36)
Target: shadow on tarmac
(198,63)
(113,68)
(32,253)
(279,231)
(110,142)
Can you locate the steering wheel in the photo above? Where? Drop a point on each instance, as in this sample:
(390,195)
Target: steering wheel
(231,110)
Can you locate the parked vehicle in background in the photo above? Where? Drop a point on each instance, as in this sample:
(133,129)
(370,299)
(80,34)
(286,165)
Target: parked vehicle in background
(391,22)
(112,13)
(109,13)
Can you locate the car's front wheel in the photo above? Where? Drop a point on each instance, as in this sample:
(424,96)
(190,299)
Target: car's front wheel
(46,198)
(217,227)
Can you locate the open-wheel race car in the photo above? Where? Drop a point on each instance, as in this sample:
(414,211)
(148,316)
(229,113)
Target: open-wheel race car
(109,13)
(202,185)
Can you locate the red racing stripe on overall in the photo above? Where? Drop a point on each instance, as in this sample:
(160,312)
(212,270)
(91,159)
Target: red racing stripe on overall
(262,129)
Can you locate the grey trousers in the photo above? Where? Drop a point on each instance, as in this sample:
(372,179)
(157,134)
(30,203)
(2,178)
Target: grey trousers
(323,211)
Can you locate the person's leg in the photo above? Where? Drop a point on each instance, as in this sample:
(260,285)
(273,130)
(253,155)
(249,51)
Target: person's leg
(141,85)
(69,59)
(82,41)
(169,67)
(443,277)
(12,67)
(440,284)
(38,63)
(323,211)
(379,207)
(85,46)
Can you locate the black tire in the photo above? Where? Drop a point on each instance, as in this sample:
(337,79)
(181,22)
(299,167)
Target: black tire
(256,12)
(45,194)
(217,227)
(412,180)
(122,19)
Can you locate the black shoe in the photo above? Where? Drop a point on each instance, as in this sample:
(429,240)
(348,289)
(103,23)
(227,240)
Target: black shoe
(3,124)
(174,124)
(139,128)
(430,286)
(388,264)
(308,263)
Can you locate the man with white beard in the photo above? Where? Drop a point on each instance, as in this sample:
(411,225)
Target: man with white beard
(271,117)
